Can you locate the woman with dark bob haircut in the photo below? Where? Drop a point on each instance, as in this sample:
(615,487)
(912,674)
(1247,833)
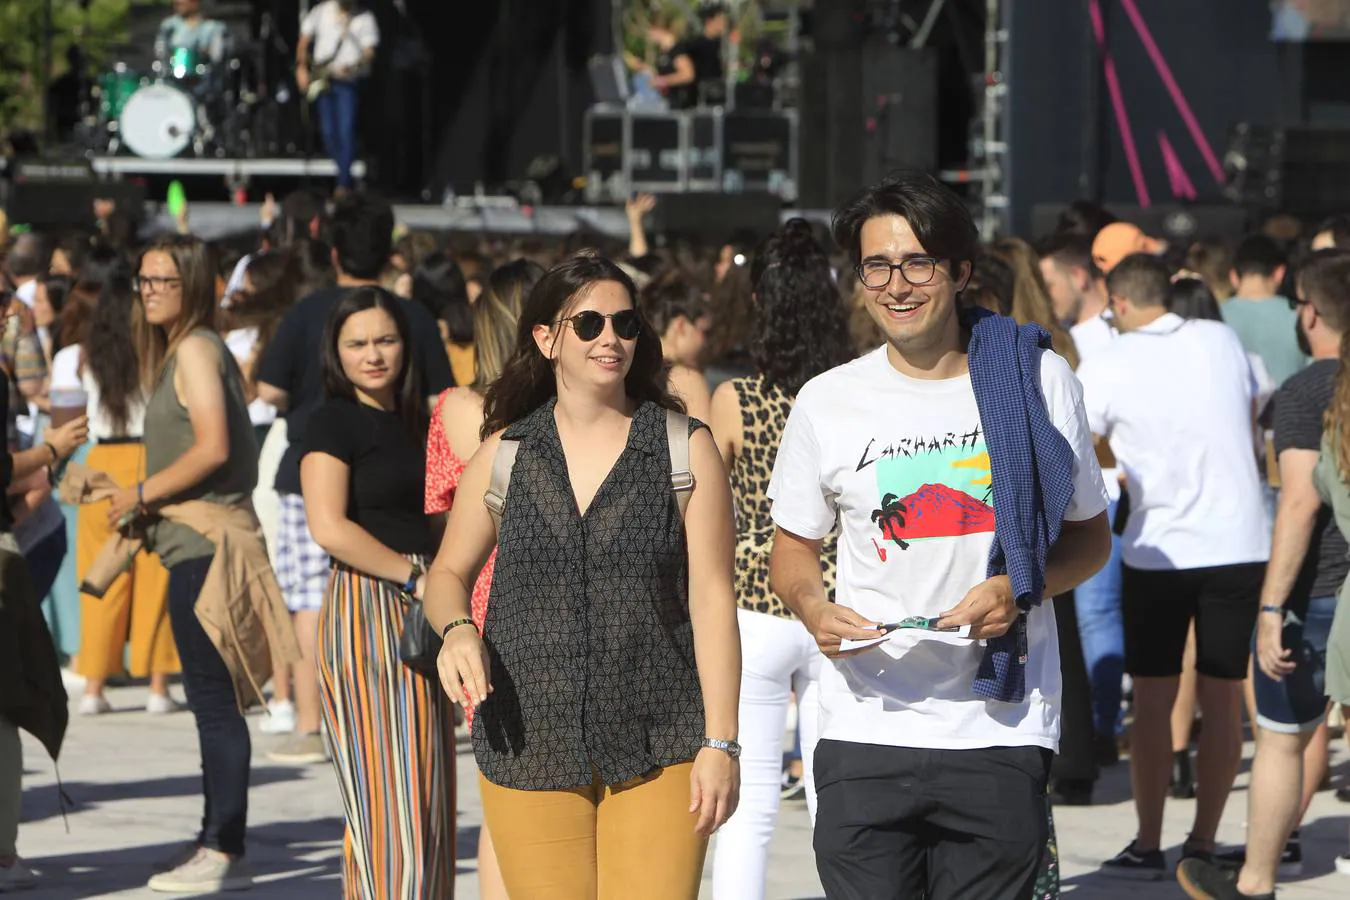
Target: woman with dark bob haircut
(605,682)
(390,730)
(800,331)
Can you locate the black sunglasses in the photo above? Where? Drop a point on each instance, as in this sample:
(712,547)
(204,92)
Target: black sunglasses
(589,324)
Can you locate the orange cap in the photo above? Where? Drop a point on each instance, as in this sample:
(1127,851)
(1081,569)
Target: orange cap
(1117,241)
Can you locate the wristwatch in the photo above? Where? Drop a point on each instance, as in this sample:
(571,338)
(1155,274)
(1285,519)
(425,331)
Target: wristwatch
(730,748)
(410,586)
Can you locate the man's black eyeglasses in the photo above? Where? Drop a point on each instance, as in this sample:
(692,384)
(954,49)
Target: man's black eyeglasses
(1296,302)
(916,270)
(589,324)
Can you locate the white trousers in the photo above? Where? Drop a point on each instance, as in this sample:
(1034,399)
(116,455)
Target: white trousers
(777,656)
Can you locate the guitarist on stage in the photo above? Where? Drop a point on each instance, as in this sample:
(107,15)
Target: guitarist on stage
(337,45)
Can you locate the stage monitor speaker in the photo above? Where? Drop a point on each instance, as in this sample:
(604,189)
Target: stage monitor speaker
(60,204)
(716,217)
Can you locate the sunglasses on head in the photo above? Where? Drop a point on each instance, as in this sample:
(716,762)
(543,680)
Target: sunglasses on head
(589,324)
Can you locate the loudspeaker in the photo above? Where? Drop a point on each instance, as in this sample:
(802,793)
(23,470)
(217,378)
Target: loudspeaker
(867,109)
(716,218)
(1179,225)
(57,204)
(900,109)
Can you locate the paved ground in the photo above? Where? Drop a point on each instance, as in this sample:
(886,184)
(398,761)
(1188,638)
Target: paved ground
(134,784)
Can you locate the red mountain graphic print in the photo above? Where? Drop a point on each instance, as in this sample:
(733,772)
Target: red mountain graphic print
(936,510)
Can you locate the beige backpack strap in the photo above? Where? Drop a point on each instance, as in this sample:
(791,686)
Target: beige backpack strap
(502,465)
(681,476)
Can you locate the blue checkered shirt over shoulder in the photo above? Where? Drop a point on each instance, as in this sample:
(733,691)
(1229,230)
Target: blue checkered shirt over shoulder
(1031,464)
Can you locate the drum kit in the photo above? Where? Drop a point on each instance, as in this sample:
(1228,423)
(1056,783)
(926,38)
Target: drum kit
(188,104)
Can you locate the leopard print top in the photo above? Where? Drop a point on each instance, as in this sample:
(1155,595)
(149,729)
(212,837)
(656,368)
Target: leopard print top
(764,415)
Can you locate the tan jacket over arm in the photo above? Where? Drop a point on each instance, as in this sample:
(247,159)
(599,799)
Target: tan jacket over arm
(240,607)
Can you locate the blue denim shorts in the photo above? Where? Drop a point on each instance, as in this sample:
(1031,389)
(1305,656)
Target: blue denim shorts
(1299,702)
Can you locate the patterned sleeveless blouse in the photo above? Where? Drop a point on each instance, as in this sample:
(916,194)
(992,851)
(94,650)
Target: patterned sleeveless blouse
(764,415)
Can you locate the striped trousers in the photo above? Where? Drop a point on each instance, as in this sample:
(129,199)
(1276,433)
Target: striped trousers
(391,737)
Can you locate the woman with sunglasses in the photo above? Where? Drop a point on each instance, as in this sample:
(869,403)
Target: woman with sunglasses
(800,331)
(390,730)
(454,438)
(605,683)
(198,446)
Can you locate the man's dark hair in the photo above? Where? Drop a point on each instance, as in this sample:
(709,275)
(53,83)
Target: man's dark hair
(1141,278)
(1339,226)
(939,218)
(362,231)
(27,257)
(1258,255)
(711,11)
(1324,281)
(1067,249)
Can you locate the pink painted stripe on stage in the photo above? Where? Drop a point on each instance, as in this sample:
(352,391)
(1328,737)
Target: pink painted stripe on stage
(1178,98)
(1182,186)
(1118,104)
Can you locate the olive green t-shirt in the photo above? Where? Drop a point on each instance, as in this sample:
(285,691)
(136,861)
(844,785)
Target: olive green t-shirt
(168,435)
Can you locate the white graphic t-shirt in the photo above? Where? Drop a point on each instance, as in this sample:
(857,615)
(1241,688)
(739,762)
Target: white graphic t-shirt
(902,464)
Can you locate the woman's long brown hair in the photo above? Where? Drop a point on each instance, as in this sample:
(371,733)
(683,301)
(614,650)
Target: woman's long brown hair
(197,271)
(496,318)
(1324,281)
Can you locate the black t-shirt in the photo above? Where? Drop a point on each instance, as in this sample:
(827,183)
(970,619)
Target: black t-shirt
(1299,405)
(388,466)
(706,55)
(681,97)
(291,363)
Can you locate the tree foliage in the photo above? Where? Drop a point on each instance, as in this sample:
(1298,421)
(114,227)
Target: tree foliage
(744,15)
(97,26)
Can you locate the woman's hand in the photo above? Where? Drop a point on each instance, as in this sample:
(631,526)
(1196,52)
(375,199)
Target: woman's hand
(420,590)
(464,666)
(69,437)
(124,502)
(714,789)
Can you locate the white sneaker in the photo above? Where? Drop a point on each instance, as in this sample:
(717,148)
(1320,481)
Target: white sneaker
(73,683)
(186,854)
(1343,864)
(205,873)
(162,705)
(94,705)
(16,877)
(280,718)
(302,749)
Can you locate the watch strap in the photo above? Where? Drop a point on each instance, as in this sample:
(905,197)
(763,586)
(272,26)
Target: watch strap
(455,624)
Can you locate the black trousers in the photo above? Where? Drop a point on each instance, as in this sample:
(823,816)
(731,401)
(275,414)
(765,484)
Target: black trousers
(898,823)
(221,730)
(1076,758)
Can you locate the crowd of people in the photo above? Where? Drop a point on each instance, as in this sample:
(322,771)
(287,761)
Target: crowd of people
(630,511)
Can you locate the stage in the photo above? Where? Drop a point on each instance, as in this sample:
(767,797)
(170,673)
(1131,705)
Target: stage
(237,172)
(483,215)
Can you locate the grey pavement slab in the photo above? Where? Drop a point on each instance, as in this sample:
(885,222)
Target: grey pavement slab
(134,783)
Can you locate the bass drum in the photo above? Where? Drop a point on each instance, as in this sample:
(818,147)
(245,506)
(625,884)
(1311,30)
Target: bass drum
(157,122)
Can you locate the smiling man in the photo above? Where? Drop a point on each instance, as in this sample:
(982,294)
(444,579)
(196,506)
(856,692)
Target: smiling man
(952,457)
